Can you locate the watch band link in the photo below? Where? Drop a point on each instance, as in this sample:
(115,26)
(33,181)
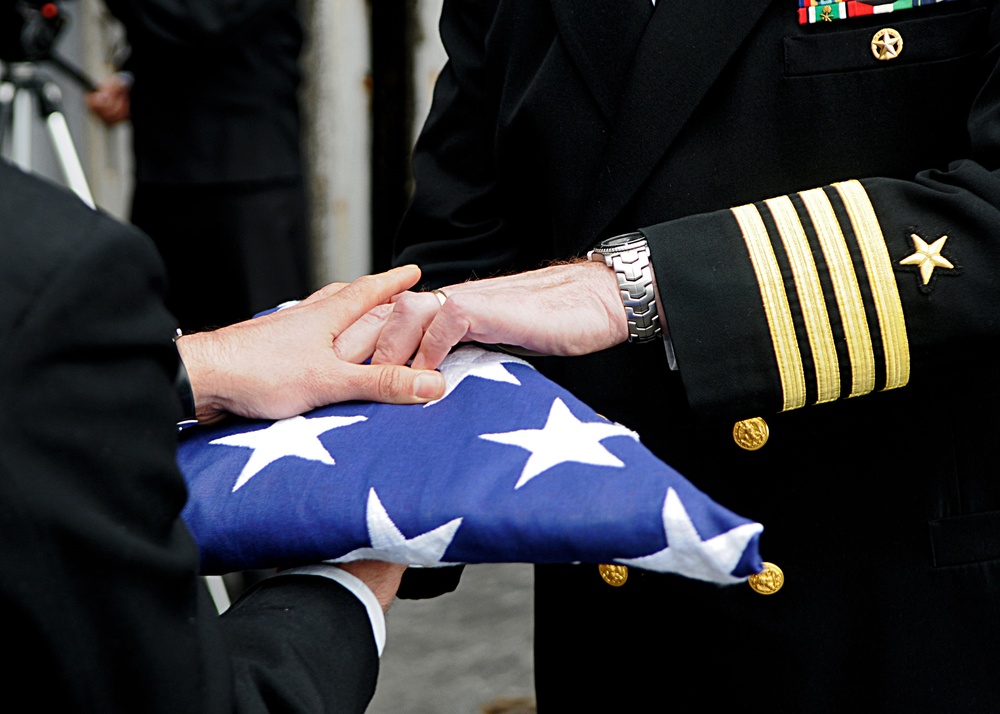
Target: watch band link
(635,281)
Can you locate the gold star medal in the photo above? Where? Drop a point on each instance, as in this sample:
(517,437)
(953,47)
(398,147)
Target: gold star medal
(887,43)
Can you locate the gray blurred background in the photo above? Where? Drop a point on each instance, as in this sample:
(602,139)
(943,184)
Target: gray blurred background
(466,652)
(369,69)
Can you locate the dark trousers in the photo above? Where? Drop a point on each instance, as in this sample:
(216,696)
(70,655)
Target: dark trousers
(231,250)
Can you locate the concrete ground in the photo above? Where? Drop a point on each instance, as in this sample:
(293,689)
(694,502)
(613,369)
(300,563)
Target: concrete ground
(467,652)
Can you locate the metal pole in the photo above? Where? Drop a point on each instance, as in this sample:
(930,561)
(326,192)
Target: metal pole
(7,92)
(63,143)
(21,132)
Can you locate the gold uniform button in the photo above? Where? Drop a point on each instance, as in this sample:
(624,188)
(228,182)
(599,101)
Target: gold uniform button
(768,581)
(750,434)
(613,575)
(887,44)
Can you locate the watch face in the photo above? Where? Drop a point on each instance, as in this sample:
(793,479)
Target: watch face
(624,241)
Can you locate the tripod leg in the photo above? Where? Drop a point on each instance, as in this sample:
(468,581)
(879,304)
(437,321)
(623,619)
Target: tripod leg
(50,97)
(68,159)
(7,92)
(21,138)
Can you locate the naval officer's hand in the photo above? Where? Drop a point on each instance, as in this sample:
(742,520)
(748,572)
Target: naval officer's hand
(567,309)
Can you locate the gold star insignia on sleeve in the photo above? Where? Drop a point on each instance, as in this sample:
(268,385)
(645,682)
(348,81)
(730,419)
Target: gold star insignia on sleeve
(927,257)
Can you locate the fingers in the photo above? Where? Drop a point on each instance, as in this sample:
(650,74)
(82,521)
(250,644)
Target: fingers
(108,105)
(324,292)
(382,286)
(248,368)
(368,291)
(404,328)
(381,578)
(392,384)
(99,104)
(357,343)
(450,326)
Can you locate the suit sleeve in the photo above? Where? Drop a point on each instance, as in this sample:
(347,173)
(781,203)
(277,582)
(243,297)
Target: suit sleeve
(100,575)
(458,189)
(301,643)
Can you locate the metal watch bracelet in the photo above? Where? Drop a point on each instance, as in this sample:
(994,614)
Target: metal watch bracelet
(628,256)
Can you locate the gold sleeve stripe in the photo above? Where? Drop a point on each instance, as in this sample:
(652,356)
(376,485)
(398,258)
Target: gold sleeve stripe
(779,315)
(810,292)
(845,288)
(882,282)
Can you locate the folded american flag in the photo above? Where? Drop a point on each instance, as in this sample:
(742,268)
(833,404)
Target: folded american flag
(506,467)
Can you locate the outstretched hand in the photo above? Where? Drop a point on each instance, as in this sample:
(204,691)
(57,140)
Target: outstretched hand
(567,309)
(285,363)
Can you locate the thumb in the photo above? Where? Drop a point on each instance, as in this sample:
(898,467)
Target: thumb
(392,384)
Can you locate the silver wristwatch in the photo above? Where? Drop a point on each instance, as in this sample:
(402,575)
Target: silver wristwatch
(628,256)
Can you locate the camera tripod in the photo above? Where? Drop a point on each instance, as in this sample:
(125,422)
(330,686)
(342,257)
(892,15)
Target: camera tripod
(25,88)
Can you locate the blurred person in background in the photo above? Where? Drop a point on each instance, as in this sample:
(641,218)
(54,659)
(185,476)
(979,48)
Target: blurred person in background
(211,89)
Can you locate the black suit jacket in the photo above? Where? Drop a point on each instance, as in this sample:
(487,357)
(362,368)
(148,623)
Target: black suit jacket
(105,611)
(557,123)
(215,95)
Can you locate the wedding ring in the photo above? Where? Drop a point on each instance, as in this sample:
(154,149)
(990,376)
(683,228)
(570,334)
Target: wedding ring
(440,295)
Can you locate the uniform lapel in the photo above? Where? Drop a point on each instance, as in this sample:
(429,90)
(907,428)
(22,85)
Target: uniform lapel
(684,48)
(601,36)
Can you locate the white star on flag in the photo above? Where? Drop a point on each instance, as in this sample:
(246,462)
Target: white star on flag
(296,436)
(389,543)
(713,560)
(485,364)
(564,438)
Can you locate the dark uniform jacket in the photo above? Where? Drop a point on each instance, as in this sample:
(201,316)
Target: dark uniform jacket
(104,611)
(796,184)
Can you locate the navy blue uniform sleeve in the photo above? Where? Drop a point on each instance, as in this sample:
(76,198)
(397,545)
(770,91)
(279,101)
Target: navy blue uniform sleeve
(817,232)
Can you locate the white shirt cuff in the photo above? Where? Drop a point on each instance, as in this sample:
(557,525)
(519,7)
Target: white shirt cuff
(356,586)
